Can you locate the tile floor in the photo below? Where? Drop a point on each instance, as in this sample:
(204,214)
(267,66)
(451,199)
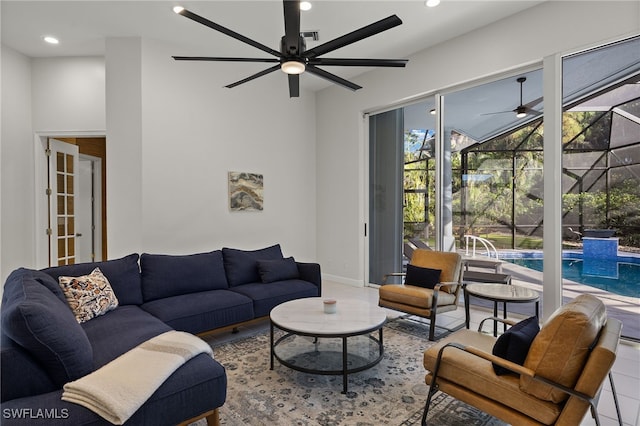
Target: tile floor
(626,370)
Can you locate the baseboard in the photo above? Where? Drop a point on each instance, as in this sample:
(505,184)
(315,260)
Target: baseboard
(342,280)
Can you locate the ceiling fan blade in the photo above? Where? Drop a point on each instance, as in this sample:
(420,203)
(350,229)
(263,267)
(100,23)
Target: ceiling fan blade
(332,77)
(359,62)
(291,27)
(294,85)
(204,21)
(211,58)
(498,112)
(533,103)
(254,76)
(352,37)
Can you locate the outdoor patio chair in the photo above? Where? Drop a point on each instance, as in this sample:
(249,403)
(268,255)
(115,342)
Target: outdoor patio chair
(432,286)
(565,365)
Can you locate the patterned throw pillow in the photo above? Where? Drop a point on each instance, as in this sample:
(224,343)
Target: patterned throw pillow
(88,296)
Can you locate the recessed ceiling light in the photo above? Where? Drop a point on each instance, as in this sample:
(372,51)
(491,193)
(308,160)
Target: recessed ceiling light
(432,3)
(305,5)
(51,40)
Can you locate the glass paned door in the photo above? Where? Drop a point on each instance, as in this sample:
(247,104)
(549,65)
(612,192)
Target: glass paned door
(63,189)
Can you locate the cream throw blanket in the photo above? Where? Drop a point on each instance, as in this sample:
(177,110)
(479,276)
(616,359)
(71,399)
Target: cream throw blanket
(116,390)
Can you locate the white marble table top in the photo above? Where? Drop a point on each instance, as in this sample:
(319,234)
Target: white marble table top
(503,292)
(307,316)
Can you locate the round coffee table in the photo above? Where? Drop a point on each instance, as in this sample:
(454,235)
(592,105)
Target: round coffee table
(505,293)
(316,342)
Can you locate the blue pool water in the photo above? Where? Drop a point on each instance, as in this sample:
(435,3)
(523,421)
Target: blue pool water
(619,276)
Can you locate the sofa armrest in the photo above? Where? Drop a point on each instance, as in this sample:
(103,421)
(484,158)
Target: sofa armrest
(21,375)
(310,272)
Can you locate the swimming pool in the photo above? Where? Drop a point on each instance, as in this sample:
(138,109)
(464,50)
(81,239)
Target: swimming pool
(619,276)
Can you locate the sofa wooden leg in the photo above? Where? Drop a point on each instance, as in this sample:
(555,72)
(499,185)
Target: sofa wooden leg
(213,419)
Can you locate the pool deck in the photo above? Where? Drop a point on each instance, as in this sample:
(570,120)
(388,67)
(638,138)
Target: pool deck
(624,308)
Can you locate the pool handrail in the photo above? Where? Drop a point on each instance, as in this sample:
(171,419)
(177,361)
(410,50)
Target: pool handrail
(488,246)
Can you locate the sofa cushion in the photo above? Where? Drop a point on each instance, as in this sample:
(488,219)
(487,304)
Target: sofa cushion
(40,322)
(21,374)
(113,334)
(562,346)
(422,277)
(278,270)
(266,297)
(88,296)
(513,345)
(123,275)
(171,275)
(197,387)
(241,266)
(204,311)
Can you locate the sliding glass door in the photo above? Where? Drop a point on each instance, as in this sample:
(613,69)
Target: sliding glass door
(385,194)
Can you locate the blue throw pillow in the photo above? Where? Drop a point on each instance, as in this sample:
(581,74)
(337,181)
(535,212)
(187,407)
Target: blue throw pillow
(172,275)
(422,277)
(241,266)
(37,320)
(123,275)
(514,344)
(278,270)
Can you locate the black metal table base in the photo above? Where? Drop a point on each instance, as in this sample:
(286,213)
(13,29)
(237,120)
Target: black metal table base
(345,370)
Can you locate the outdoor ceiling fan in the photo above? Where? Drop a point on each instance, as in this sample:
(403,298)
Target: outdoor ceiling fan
(293,58)
(521,110)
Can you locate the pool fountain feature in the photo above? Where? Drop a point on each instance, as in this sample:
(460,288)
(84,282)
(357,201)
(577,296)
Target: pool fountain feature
(600,252)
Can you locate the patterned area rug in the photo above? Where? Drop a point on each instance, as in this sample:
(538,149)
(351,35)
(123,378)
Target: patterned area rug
(392,392)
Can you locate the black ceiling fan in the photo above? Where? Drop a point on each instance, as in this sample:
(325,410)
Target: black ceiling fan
(293,58)
(521,110)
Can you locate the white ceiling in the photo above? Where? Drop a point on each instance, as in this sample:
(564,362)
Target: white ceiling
(83,26)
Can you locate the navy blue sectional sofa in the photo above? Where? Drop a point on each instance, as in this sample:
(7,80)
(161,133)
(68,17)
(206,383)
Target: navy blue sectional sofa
(44,347)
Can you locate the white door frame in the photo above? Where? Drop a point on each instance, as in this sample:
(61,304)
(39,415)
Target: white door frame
(41,243)
(95,229)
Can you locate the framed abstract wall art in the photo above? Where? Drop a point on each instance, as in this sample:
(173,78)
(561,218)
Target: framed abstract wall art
(246,191)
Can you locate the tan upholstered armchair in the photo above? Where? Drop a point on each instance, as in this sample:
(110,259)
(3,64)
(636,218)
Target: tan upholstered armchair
(560,379)
(426,302)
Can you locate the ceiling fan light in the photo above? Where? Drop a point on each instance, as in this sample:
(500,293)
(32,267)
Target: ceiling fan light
(521,113)
(178,9)
(292,67)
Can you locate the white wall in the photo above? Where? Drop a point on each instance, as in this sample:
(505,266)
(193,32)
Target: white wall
(195,131)
(16,169)
(68,94)
(521,39)
(124,146)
